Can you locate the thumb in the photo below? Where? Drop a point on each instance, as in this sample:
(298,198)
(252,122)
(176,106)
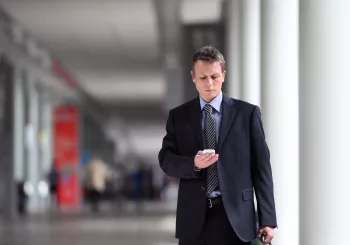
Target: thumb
(260,232)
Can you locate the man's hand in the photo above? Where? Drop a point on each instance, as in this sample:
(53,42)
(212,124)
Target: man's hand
(204,160)
(268,231)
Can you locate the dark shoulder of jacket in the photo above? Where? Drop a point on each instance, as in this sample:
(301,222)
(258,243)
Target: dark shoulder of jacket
(184,107)
(244,105)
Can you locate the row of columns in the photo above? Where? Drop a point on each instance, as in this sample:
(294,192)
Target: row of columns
(32,135)
(292,58)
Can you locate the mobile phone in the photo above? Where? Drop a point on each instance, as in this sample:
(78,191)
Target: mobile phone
(208,151)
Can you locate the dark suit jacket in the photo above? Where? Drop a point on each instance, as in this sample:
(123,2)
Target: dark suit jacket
(243,166)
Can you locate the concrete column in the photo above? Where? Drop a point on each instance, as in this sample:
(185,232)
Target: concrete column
(171,34)
(45,133)
(8,188)
(250,51)
(279,67)
(33,146)
(19,123)
(324,121)
(233,54)
(45,147)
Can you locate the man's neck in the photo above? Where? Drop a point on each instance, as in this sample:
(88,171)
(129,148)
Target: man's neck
(208,101)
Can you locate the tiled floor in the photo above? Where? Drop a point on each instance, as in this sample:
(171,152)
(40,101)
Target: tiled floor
(152,228)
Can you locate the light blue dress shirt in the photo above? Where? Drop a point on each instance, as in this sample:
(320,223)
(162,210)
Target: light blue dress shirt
(216,104)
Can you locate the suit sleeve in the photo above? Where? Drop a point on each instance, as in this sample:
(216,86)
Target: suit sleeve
(261,172)
(170,161)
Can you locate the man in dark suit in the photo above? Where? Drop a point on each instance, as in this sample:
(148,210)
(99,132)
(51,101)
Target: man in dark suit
(216,190)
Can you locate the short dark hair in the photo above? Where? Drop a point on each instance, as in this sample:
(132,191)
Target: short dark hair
(210,54)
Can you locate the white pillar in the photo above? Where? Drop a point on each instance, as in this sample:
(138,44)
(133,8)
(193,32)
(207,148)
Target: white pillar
(171,43)
(233,19)
(19,111)
(324,121)
(33,146)
(45,147)
(250,48)
(279,67)
(45,134)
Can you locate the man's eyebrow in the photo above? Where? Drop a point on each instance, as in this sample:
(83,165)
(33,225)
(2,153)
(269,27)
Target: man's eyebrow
(202,74)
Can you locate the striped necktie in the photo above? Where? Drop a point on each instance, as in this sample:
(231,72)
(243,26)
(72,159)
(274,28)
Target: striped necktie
(210,143)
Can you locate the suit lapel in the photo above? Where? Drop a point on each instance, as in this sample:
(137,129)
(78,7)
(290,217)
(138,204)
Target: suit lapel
(195,115)
(228,114)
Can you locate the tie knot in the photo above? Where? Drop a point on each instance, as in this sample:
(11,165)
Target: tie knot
(208,108)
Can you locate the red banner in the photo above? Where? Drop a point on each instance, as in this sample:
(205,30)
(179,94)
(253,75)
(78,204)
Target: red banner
(66,155)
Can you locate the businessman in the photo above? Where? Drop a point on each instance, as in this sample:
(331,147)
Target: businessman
(216,190)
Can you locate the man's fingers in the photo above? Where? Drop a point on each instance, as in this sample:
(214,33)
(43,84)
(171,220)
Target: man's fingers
(206,159)
(202,156)
(268,236)
(259,235)
(268,239)
(207,156)
(212,159)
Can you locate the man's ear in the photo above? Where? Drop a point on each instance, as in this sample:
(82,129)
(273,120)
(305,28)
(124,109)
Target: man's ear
(224,74)
(193,76)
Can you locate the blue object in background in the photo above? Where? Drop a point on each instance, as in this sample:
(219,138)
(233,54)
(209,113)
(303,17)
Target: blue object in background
(85,158)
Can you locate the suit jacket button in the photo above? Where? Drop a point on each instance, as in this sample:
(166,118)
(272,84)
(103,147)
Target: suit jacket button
(203,188)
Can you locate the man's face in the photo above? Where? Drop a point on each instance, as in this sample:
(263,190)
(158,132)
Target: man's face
(208,77)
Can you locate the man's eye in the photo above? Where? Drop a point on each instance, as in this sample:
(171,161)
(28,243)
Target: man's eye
(214,77)
(202,78)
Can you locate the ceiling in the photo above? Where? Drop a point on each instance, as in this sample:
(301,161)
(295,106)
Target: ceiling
(109,45)
(113,48)
(92,31)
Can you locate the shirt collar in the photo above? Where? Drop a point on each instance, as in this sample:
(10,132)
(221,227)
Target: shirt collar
(215,103)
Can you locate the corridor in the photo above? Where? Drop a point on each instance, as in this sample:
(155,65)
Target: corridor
(155,227)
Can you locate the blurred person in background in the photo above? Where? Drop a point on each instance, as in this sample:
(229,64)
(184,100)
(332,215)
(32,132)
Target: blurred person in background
(158,183)
(22,198)
(53,178)
(148,182)
(138,182)
(96,177)
(216,190)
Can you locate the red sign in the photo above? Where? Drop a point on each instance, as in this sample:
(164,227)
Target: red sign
(66,154)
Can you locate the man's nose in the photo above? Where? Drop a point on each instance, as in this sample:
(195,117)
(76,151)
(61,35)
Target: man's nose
(208,81)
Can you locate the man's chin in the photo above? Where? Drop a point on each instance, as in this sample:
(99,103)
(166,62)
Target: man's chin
(209,97)
(212,94)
